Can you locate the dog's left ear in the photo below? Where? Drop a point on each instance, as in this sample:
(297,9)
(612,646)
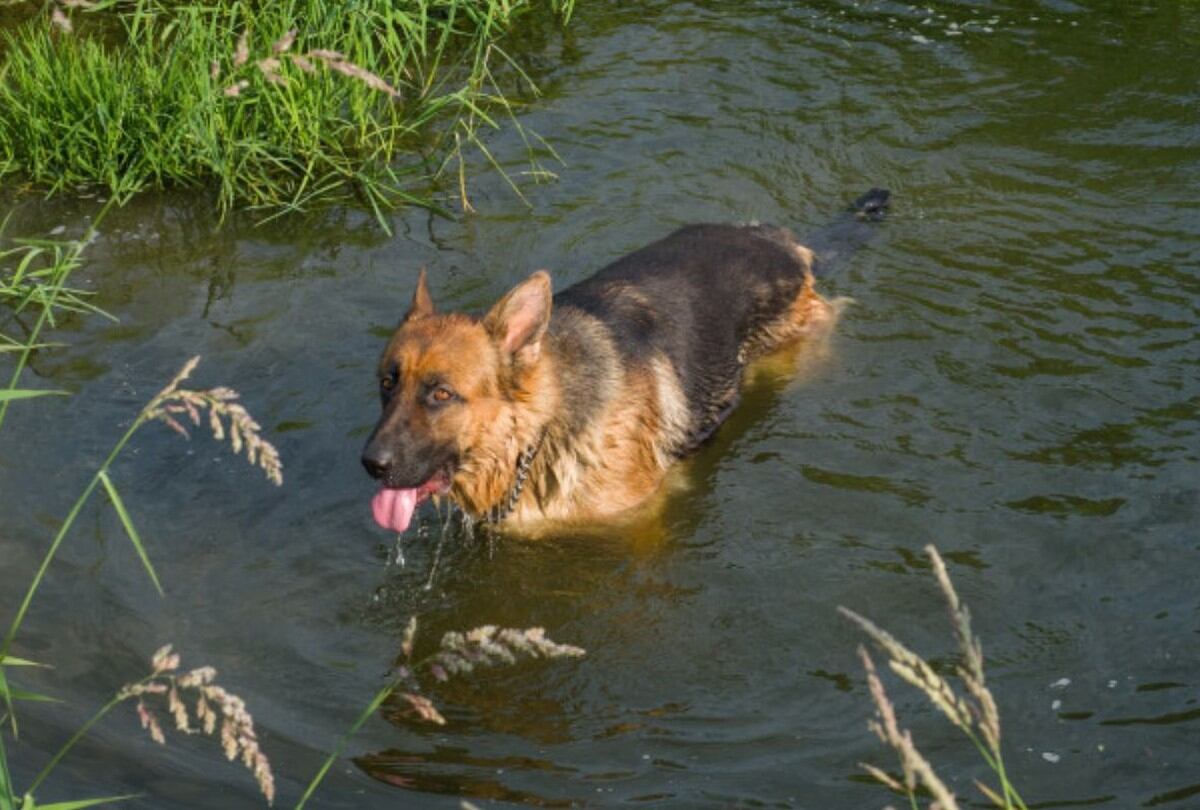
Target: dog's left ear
(518,321)
(422,303)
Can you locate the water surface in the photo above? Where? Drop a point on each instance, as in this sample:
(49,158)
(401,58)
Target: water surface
(1017,383)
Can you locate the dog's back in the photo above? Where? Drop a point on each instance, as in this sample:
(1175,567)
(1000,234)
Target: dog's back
(708,299)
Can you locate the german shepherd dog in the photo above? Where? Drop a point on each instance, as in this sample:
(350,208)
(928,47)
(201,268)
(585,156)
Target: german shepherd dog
(573,407)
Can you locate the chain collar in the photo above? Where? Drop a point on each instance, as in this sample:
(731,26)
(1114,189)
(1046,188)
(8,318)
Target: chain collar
(507,504)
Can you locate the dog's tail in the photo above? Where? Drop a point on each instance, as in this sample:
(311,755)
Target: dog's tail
(849,231)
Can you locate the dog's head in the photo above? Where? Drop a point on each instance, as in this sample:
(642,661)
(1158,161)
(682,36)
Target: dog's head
(449,384)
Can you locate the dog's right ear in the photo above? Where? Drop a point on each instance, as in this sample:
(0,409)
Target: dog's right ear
(519,320)
(422,303)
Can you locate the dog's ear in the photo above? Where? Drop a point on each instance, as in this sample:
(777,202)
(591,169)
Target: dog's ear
(518,320)
(422,304)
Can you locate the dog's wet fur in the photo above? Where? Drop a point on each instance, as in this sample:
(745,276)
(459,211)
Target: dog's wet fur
(608,382)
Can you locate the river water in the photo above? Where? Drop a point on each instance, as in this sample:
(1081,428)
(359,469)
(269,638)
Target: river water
(1017,382)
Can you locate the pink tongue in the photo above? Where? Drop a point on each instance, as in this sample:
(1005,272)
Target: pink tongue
(393,508)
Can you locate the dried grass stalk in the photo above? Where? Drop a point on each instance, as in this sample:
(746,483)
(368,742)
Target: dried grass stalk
(173,403)
(976,715)
(60,20)
(460,653)
(489,645)
(242,54)
(914,669)
(916,767)
(284,43)
(212,705)
(424,708)
(270,66)
(972,676)
(337,62)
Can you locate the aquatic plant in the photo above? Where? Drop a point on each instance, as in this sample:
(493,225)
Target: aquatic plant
(458,653)
(975,714)
(211,704)
(274,105)
(237,727)
(34,276)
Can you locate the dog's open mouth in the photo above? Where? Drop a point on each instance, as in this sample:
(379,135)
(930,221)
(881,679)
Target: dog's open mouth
(393,508)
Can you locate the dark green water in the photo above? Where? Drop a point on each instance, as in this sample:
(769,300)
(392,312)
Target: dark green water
(1017,383)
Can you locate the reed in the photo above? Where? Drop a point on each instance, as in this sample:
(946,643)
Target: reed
(275,106)
(213,706)
(973,711)
(458,654)
(227,420)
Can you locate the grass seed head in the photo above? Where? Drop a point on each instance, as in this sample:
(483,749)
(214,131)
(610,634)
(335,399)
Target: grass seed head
(284,43)
(220,402)
(242,54)
(212,705)
(60,20)
(916,670)
(977,716)
(423,708)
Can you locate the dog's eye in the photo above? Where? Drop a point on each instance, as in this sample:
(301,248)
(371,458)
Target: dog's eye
(441,395)
(387,383)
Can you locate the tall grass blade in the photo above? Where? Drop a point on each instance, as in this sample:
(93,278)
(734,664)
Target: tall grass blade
(132,533)
(75,805)
(31,697)
(7,800)
(29,393)
(50,294)
(6,694)
(372,707)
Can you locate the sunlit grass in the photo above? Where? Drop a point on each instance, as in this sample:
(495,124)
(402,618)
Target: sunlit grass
(273,105)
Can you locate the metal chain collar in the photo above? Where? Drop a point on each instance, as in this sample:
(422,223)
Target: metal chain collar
(506,506)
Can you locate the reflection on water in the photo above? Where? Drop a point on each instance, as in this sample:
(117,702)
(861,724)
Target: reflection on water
(1016,382)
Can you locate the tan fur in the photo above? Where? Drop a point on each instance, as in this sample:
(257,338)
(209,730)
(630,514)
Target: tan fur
(673,415)
(612,466)
(509,380)
(809,314)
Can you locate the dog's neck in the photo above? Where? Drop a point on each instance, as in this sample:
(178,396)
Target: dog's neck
(492,483)
(504,508)
(553,430)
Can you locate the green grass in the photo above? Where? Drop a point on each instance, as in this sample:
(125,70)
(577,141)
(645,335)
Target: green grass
(137,96)
(34,294)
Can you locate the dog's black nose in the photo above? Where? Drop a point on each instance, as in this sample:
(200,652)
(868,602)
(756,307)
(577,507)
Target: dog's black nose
(377,460)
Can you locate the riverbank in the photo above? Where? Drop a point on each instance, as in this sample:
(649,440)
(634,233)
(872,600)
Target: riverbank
(273,106)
